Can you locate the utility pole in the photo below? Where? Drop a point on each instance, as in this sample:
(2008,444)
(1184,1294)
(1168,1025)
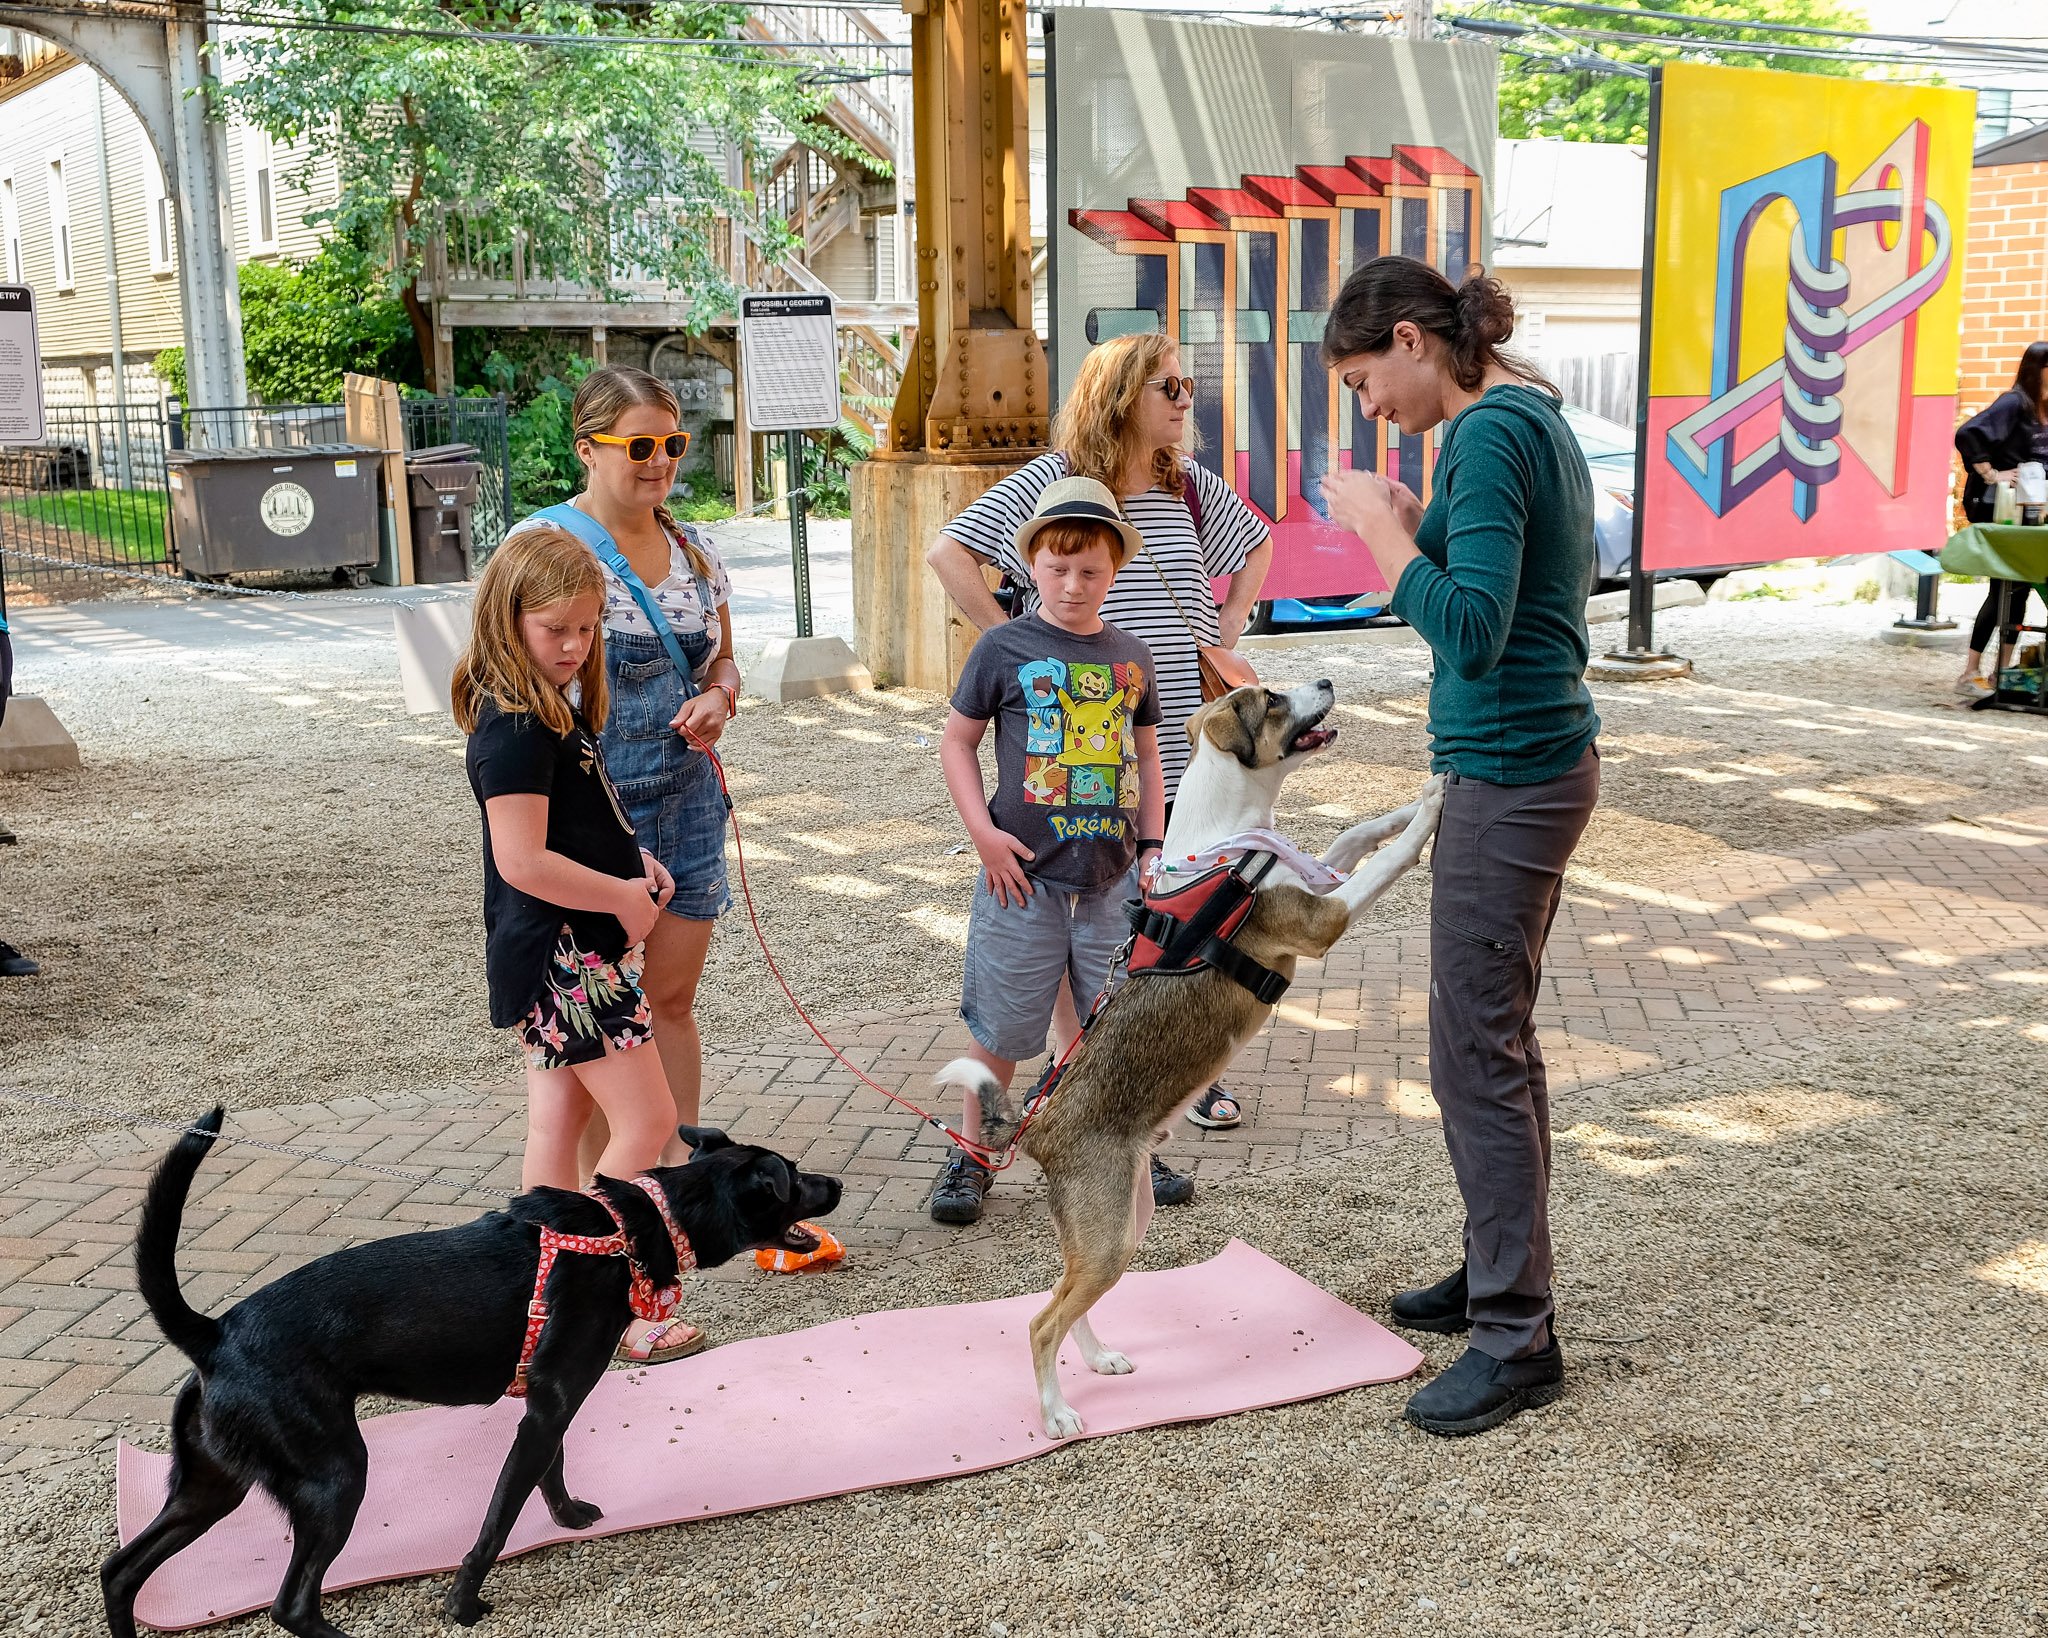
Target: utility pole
(123,467)
(1420,17)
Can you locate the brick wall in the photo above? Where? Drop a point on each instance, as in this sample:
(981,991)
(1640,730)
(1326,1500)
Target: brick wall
(2005,277)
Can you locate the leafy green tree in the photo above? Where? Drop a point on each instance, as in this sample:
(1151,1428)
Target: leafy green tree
(1546,91)
(596,152)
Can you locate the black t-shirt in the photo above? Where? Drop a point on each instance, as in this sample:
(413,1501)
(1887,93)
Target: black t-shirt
(516,754)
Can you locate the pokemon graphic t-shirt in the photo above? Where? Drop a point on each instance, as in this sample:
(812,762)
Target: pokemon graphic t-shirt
(1067,710)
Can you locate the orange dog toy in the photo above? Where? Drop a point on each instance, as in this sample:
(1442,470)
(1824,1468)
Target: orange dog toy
(786,1260)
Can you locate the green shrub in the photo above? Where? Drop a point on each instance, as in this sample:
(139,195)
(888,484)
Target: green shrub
(169,366)
(305,327)
(545,470)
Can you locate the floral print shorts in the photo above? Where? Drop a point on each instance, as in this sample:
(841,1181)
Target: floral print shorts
(585,1002)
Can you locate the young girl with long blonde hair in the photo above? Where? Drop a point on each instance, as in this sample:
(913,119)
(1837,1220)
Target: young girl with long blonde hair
(569,895)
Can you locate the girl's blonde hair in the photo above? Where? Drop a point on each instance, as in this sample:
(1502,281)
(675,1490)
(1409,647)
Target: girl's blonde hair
(535,569)
(1096,429)
(605,395)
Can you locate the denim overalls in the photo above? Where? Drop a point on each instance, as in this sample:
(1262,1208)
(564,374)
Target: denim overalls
(669,787)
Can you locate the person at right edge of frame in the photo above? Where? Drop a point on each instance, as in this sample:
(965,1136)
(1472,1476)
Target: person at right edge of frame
(1494,575)
(2011,429)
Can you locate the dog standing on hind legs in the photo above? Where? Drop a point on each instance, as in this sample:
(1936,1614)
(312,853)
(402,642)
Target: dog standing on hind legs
(440,1317)
(1170,1033)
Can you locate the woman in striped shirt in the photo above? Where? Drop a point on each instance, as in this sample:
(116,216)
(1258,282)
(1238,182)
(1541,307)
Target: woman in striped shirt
(1125,424)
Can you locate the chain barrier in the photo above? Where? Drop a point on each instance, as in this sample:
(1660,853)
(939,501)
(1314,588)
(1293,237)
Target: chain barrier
(328,599)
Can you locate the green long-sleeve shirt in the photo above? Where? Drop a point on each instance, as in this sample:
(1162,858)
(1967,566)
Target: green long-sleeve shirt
(1500,591)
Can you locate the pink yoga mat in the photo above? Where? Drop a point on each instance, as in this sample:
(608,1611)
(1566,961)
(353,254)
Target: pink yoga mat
(891,1398)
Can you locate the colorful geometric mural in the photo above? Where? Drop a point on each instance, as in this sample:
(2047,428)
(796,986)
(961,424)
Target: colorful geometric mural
(1273,197)
(1812,417)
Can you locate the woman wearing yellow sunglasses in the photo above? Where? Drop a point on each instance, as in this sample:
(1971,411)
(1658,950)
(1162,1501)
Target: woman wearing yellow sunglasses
(624,421)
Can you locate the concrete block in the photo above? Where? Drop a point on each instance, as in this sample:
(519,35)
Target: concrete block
(431,638)
(796,668)
(1628,668)
(1954,637)
(32,740)
(904,627)
(1603,607)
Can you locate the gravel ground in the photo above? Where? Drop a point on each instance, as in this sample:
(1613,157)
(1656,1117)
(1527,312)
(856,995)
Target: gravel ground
(1800,1430)
(263,886)
(1776,1423)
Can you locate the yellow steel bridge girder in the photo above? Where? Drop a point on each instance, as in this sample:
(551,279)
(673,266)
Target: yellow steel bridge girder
(975,382)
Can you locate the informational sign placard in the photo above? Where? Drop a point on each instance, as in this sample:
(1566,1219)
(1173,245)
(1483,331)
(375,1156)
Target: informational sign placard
(1217,184)
(21,368)
(1801,322)
(789,355)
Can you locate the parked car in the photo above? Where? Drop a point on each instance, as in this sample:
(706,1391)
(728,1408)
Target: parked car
(1610,451)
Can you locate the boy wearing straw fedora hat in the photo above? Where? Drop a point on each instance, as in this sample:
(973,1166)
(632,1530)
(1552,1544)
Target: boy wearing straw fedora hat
(1079,798)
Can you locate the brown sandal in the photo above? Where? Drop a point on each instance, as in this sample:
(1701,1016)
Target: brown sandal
(647,1349)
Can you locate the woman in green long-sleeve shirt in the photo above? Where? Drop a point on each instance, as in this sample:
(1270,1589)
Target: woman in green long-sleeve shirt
(1495,576)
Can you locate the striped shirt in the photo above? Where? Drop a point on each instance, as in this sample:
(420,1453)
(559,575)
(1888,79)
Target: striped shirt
(1138,603)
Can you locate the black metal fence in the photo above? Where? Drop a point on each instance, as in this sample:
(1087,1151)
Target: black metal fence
(484,424)
(91,504)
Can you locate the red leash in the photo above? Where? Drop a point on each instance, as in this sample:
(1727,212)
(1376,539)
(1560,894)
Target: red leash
(980,1152)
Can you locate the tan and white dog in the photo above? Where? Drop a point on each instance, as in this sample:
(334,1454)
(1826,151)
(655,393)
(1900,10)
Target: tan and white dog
(1168,1035)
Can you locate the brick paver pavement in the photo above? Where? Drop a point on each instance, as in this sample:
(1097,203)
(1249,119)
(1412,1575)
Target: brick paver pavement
(1763,952)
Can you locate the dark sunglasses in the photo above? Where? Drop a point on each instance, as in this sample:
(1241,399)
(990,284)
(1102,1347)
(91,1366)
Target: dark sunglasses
(642,448)
(1176,387)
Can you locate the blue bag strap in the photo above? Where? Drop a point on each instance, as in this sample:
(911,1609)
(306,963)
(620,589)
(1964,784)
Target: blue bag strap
(598,538)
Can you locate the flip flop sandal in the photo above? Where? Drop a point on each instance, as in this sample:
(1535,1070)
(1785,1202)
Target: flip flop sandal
(806,1246)
(645,1350)
(1203,1111)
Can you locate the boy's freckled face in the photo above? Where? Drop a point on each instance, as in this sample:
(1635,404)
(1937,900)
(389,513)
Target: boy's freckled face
(1071,588)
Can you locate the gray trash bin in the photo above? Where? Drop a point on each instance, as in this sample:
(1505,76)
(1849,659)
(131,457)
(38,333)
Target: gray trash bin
(247,510)
(443,498)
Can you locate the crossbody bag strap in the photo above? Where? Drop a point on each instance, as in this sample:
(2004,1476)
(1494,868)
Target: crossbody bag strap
(598,538)
(1145,552)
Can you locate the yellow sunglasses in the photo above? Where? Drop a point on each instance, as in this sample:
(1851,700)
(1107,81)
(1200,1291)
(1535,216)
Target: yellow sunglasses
(642,448)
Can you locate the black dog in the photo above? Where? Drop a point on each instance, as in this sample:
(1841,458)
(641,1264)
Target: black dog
(437,1317)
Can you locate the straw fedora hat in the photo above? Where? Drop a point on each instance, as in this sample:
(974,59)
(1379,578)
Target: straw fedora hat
(1081,500)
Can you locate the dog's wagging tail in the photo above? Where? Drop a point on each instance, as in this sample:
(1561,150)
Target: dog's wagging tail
(193,1334)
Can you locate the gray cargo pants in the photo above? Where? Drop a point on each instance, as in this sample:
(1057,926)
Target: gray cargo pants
(1497,874)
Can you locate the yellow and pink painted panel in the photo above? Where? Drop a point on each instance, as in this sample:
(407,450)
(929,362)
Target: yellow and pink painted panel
(1802,333)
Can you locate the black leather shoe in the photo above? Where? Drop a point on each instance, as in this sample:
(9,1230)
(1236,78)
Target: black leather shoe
(13,964)
(1439,1307)
(1481,1392)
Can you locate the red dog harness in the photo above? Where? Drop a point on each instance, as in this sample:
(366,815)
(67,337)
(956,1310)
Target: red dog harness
(646,1301)
(1185,924)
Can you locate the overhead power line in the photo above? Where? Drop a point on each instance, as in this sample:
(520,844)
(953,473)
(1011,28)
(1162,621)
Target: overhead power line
(1946,62)
(1758,24)
(610,39)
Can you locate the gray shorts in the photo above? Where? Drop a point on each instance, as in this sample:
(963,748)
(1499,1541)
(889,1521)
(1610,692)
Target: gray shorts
(1017,955)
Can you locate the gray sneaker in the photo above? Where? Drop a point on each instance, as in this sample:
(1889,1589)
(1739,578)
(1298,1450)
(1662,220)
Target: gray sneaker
(962,1187)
